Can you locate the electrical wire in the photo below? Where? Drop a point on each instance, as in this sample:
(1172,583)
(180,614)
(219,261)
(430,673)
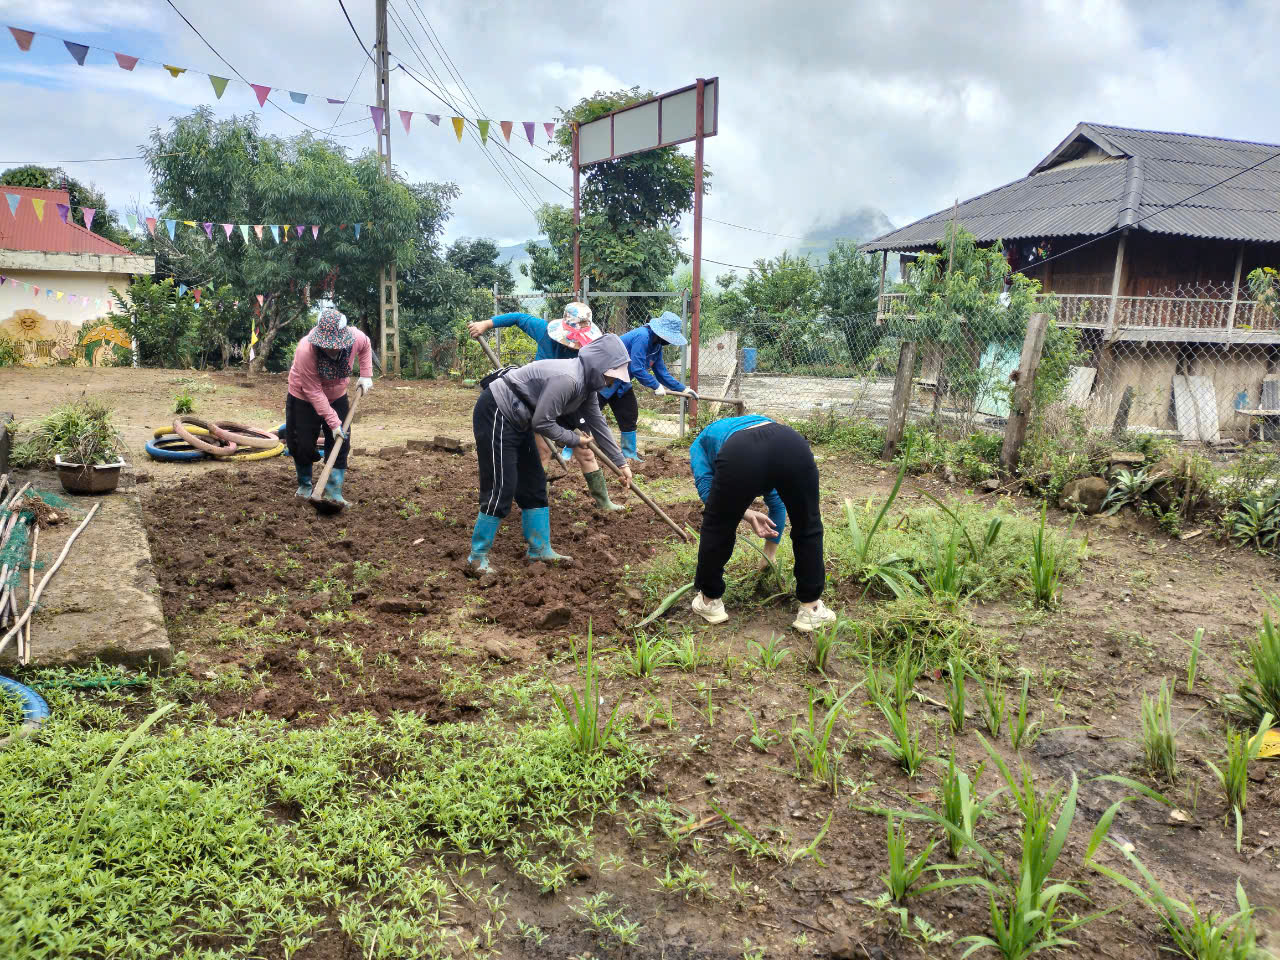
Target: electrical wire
(354,84)
(56,163)
(767,233)
(357,34)
(242,77)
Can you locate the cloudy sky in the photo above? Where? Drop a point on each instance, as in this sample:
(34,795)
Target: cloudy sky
(827,109)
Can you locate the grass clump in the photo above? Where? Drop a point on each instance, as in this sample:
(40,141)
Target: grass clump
(1159,740)
(1259,693)
(82,431)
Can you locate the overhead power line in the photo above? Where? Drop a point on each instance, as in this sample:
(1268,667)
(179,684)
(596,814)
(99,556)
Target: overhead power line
(363,46)
(767,233)
(56,163)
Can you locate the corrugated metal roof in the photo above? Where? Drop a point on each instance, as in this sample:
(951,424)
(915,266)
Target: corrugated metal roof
(25,231)
(1091,198)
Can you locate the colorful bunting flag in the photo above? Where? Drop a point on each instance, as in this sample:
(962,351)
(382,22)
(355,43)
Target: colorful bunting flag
(151,225)
(551,131)
(244,231)
(208,230)
(275,233)
(297,97)
(257,228)
(171,226)
(227,227)
(457,126)
(38,203)
(483,127)
(299,230)
(182,289)
(285,227)
(196,293)
(262,93)
(378,115)
(133,221)
(23,37)
(219,85)
(528,131)
(126,62)
(14,199)
(174,72)
(315,231)
(253,330)
(255,336)
(506,129)
(331,100)
(63,210)
(405,117)
(356,227)
(78,51)
(59,295)
(87,213)
(434,118)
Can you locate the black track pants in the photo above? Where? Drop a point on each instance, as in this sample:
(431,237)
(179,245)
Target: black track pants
(626,409)
(750,464)
(510,468)
(302,427)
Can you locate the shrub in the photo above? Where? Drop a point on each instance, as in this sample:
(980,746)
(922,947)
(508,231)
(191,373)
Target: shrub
(81,431)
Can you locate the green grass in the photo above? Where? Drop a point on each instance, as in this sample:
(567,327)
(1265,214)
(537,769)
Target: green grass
(257,836)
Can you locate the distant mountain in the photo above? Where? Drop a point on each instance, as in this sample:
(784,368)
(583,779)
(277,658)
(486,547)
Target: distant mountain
(516,255)
(858,227)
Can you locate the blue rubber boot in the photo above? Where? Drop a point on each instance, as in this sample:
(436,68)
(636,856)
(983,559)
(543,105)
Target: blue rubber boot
(535,524)
(629,446)
(333,486)
(482,535)
(304,479)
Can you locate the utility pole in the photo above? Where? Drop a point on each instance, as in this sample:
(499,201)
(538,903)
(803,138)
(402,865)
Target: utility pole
(388,293)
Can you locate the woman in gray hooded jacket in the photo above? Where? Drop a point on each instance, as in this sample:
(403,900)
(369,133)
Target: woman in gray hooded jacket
(515,406)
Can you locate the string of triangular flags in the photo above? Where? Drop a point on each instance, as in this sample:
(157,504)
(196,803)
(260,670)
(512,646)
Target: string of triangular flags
(279,232)
(59,296)
(80,52)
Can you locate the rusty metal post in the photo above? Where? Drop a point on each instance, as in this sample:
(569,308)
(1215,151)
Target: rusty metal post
(697,242)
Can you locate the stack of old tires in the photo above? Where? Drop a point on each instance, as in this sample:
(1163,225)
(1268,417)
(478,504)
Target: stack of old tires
(192,438)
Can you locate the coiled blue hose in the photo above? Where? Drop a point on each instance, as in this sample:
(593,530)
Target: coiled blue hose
(34,710)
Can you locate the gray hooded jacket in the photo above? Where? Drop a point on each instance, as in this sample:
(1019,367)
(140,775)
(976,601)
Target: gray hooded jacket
(539,392)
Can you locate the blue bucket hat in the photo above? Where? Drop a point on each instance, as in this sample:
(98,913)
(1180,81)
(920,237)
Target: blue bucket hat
(668,327)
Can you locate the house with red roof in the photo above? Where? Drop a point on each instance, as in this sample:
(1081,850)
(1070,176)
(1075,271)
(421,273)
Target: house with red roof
(55,274)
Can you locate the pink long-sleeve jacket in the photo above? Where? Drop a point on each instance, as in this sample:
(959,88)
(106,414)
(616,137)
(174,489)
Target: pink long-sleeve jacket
(305,382)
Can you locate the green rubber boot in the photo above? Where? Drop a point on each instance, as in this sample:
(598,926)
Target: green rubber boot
(599,491)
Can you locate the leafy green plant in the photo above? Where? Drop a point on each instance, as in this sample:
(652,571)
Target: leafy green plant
(1022,730)
(184,403)
(1159,740)
(889,572)
(742,838)
(769,656)
(903,745)
(1127,487)
(1045,565)
(1193,663)
(943,579)
(582,714)
(1234,777)
(1259,693)
(648,654)
(993,700)
(903,874)
(667,603)
(812,747)
(956,694)
(1256,522)
(82,431)
(826,642)
(1195,935)
(959,807)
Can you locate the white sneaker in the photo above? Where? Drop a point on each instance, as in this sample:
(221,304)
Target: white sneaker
(807,621)
(711,611)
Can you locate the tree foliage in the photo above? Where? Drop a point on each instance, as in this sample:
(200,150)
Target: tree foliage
(478,260)
(226,171)
(105,223)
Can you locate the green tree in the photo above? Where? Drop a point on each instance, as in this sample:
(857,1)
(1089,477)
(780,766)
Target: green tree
(848,287)
(174,330)
(478,259)
(225,171)
(105,223)
(963,311)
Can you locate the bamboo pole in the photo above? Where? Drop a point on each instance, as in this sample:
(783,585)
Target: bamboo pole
(24,651)
(31,605)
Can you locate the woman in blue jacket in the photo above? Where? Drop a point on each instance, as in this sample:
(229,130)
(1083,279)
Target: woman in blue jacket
(645,344)
(559,340)
(735,460)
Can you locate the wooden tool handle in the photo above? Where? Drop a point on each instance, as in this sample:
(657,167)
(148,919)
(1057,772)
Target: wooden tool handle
(635,489)
(488,352)
(317,489)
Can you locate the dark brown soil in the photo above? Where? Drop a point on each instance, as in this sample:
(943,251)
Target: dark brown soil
(238,549)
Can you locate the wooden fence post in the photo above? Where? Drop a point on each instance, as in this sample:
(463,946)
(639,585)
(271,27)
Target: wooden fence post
(1020,406)
(901,399)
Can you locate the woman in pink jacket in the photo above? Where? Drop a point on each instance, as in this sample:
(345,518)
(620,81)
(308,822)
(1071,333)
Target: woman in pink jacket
(317,399)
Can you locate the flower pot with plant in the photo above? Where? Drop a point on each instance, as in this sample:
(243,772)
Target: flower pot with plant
(81,441)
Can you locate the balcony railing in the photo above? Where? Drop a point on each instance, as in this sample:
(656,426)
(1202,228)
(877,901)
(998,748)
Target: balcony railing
(1155,317)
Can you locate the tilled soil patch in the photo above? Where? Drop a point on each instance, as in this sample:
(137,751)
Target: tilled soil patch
(351,605)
